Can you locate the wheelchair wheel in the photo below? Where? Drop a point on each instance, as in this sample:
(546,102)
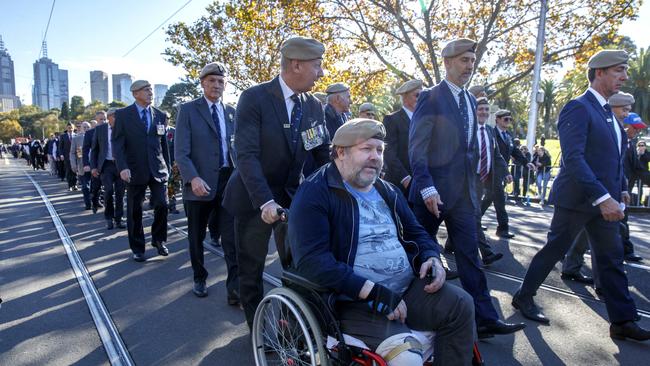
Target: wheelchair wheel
(285,332)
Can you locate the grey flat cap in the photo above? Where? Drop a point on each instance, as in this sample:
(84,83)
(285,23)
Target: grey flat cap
(621,99)
(357,131)
(302,48)
(213,68)
(139,84)
(367,107)
(607,58)
(337,88)
(503,113)
(458,46)
(409,86)
(482,100)
(322,97)
(476,89)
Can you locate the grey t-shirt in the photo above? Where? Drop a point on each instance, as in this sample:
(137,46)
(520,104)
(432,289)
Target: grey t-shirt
(380,256)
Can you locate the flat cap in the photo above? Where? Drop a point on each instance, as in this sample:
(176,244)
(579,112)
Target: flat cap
(139,84)
(322,97)
(482,100)
(302,48)
(357,131)
(476,89)
(458,46)
(337,88)
(111,111)
(367,107)
(607,58)
(621,99)
(635,121)
(409,86)
(503,113)
(213,68)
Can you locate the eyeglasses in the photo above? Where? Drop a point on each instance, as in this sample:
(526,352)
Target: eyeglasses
(640,145)
(507,119)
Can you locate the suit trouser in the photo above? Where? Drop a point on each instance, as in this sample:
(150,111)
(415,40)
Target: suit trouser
(84,181)
(494,193)
(60,169)
(252,237)
(70,175)
(607,252)
(460,221)
(197,213)
(134,198)
(575,257)
(95,186)
(628,247)
(52,164)
(113,184)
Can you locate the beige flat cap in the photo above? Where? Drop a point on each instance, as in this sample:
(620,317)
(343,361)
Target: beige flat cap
(367,107)
(213,68)
(139,84)
(476,89)
(337,88)
(357,131)
(503,113)
(621,99)
(409,86)
(458,46)
(607,58)
(302,48)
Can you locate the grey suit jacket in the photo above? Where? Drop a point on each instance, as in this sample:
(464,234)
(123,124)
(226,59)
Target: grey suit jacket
(99,147)
(195,147)
(76,154)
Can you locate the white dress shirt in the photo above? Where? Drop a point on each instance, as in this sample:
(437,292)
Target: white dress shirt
(222,129)
(482,130)
(109,150)
(408,113)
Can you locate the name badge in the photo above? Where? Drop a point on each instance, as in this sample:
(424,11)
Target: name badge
(286,125)
(160,130)
(313,137)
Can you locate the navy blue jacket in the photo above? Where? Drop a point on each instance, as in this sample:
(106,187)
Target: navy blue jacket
(324,231)
(591,162)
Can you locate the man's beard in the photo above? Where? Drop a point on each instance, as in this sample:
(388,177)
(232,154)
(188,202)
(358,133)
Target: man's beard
(361,181)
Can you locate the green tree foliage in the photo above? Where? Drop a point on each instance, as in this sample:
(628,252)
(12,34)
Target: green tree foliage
(116,104)
(9,129)
(639,84)
(90,110)
(177,94)
(77,107)
(549,107)
(65,111)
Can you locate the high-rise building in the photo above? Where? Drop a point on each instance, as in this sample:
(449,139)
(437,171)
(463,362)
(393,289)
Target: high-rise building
(50,83)
(121,88)
(159,91)
(99,86)
(8,99)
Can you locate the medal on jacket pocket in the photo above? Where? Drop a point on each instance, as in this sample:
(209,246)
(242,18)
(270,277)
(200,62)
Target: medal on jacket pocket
(313,137)
(160,129)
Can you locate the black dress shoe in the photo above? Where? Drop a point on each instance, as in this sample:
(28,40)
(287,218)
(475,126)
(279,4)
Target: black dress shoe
(138,257)
(450,274)
(109,224)
(199,289)
(599,292)
(94,209)
(498,327)
(119,224)
(233,299)
(578,277)
(87,208)
(629,330)
(528,308)
(162,249)
(491,258)
(504,234)
(631,257)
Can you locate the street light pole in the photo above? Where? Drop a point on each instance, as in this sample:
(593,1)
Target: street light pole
(534,101)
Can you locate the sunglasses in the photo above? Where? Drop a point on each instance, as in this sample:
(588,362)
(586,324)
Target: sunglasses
(640,145)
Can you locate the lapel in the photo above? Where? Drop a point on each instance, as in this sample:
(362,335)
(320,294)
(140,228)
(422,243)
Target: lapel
(404,120)
(137,126)
(455,111)
(281,113)
(608,125)
(227,115)
(204,111)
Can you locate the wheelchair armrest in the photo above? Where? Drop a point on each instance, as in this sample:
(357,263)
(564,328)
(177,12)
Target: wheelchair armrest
(296,279)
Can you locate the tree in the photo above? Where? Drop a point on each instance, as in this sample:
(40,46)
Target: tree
(116,104)
(47,125)
(77,107)
(548,107)
(9,128)
(177,94)
(90,110)
(639,84)
(65,111)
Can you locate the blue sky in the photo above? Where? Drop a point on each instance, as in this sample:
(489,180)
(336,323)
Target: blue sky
(95,34)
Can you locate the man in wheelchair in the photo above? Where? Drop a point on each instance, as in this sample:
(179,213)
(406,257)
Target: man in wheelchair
(355,234)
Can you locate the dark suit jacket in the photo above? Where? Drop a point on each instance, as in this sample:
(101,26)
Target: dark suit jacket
(145,153)
(48,146)
(268,166)
(591,163)
(333,120)
(64,146)
(196,148)
(438,148)
(396,155)
(508,149)
(88,139)
(498,166)
(99,147)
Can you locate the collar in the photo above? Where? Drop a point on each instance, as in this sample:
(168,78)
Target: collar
(455,89)
(599,97)
(218,103)
(141,108)
(408,112)
(286,90)
(500,130)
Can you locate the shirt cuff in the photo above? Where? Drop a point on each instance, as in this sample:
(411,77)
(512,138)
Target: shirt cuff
(405,178)
(264,205)
(428,192)
(601,199)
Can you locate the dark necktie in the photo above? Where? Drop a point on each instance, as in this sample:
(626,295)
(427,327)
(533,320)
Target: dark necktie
(608,109)
(217,125)
(462,105)
(296,117)
(483,165)
(144,119)
(504,135)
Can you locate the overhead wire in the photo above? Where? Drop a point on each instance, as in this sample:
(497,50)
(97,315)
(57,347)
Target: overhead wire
(47,27)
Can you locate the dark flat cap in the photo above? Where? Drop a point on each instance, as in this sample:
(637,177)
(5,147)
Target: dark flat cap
(213,68)
(357,131)
(322,97)
(302,48)
(367,107)
(503,113)
(139,84)
(458,46)
(337,88)
(409,86)
(607,58)
(621,99)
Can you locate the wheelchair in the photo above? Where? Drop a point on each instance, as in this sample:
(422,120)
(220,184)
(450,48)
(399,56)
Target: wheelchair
(294,325)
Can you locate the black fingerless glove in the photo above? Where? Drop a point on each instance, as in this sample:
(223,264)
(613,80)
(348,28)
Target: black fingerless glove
(382,300)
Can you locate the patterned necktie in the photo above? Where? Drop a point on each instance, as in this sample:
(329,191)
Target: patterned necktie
(608,109)
(296,117)
(145,121)
(462,105)
(217,125)
(483,164)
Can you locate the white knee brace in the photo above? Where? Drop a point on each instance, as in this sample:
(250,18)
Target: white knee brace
(401,350)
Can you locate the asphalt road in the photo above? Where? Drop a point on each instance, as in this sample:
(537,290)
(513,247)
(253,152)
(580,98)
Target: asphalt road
(45,320)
